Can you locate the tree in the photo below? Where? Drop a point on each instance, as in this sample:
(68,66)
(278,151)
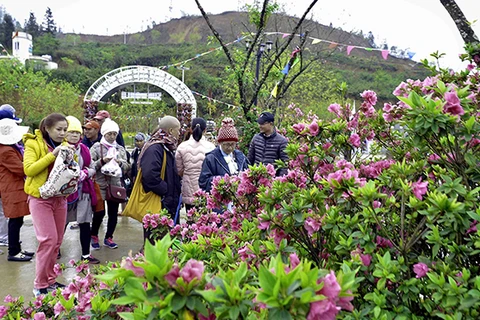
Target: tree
(472,44)
(239,65)
(7,28)
(49,25)
(31,26)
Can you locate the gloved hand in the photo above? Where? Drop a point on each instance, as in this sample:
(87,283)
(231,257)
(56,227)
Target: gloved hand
(83,175)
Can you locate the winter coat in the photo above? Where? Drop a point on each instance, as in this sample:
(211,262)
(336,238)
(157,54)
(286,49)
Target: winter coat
(266,150)
(214,165)
(98,152)
(36,160)
(168,189)
(12,180)
(189,157)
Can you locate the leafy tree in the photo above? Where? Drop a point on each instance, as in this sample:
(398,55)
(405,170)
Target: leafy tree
(239,64)
(31,26)
(49,25)
(46,44)
(7,28)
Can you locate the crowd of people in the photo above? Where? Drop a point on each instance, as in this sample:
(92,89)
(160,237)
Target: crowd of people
(158,165)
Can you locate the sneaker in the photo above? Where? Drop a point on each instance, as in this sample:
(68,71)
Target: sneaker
(94,243)
(20,257)
(109,243)
(55,286)
(3,243)
(74,226)
(91,259)
(38,292)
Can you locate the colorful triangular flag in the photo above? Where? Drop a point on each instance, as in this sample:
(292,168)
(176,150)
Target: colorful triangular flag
(349,49)
(286,69)
(333,45)
(275,91)
(297,59)
(315,41)
(385,54)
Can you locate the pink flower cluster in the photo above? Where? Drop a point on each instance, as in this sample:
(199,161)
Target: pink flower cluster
(328,308)
(312,129)
(452,104)
(193,269)
(420,269)
(153,221)
(394,112)
(370,99)
(345,172)
(375,168)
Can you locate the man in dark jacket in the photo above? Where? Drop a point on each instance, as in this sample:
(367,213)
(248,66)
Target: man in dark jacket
(224,159)
(268,145)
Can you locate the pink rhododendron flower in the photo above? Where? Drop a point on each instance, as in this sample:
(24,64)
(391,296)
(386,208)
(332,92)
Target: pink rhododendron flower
(314,128)
(294,261)
(9,299)
(58,308)
(369,96)
(331,288)
(173,275)
(323,310)
(298,128)
(57,269)
(354,140)
(3,311)
(344,302)
(366,259)
(193,269)
(420,269)
(39,316)
(473,227)
(383,243)
(127,263)
(419,188)
(335,108)
(452,105)
(311,225)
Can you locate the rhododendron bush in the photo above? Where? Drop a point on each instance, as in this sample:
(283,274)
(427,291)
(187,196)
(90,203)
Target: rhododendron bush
(376,218)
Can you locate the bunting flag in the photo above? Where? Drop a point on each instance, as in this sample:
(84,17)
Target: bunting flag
(410,54)
(333,45)
(385,54)
(286,69)
(315,41)
(294,52)
(285,35)
(213,100)
(297,59)
(275,91)
(349,49)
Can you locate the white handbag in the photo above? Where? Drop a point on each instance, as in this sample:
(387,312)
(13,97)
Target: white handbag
(63,179)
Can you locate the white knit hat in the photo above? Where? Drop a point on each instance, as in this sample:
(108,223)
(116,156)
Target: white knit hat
(109,126)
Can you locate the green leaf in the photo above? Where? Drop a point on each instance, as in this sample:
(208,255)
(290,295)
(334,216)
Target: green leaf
(267,280)
(178,302)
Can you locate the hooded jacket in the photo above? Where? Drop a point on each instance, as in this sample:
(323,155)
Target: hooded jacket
(215,165)
(36,160)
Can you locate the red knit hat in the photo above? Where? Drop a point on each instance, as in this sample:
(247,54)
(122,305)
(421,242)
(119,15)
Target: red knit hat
(227,131)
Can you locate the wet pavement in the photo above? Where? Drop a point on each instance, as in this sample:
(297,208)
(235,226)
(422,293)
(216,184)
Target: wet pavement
(16,278)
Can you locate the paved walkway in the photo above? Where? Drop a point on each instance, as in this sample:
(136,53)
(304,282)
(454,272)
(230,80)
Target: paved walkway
(16,278)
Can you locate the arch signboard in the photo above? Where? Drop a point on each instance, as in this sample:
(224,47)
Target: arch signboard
(109,83)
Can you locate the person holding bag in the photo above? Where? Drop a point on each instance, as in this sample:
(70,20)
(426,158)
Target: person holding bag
(158,184)
(108,153)
(80,203)
(48,215)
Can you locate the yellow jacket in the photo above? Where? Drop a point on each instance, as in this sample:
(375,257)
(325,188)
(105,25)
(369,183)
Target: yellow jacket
(36,160)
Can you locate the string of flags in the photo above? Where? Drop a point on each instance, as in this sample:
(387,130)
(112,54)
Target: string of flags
(333,45)
(214,100)
(201,54)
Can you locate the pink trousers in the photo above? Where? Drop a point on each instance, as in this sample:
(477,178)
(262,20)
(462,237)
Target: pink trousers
(49,217)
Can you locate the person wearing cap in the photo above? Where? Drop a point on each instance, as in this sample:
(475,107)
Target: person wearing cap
(9,114)
(189,158)
(268,145)
(80,202)
(91,133)
(100,117)
(224,159)
(99,152)
(14,198)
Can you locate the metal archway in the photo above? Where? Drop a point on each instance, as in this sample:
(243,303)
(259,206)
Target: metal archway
(111,81)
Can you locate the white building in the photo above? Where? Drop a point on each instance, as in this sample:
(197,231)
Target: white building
(22,47)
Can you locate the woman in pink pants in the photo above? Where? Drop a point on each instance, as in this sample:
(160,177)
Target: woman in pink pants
(48,215)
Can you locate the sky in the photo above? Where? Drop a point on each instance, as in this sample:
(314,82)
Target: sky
(421,26)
